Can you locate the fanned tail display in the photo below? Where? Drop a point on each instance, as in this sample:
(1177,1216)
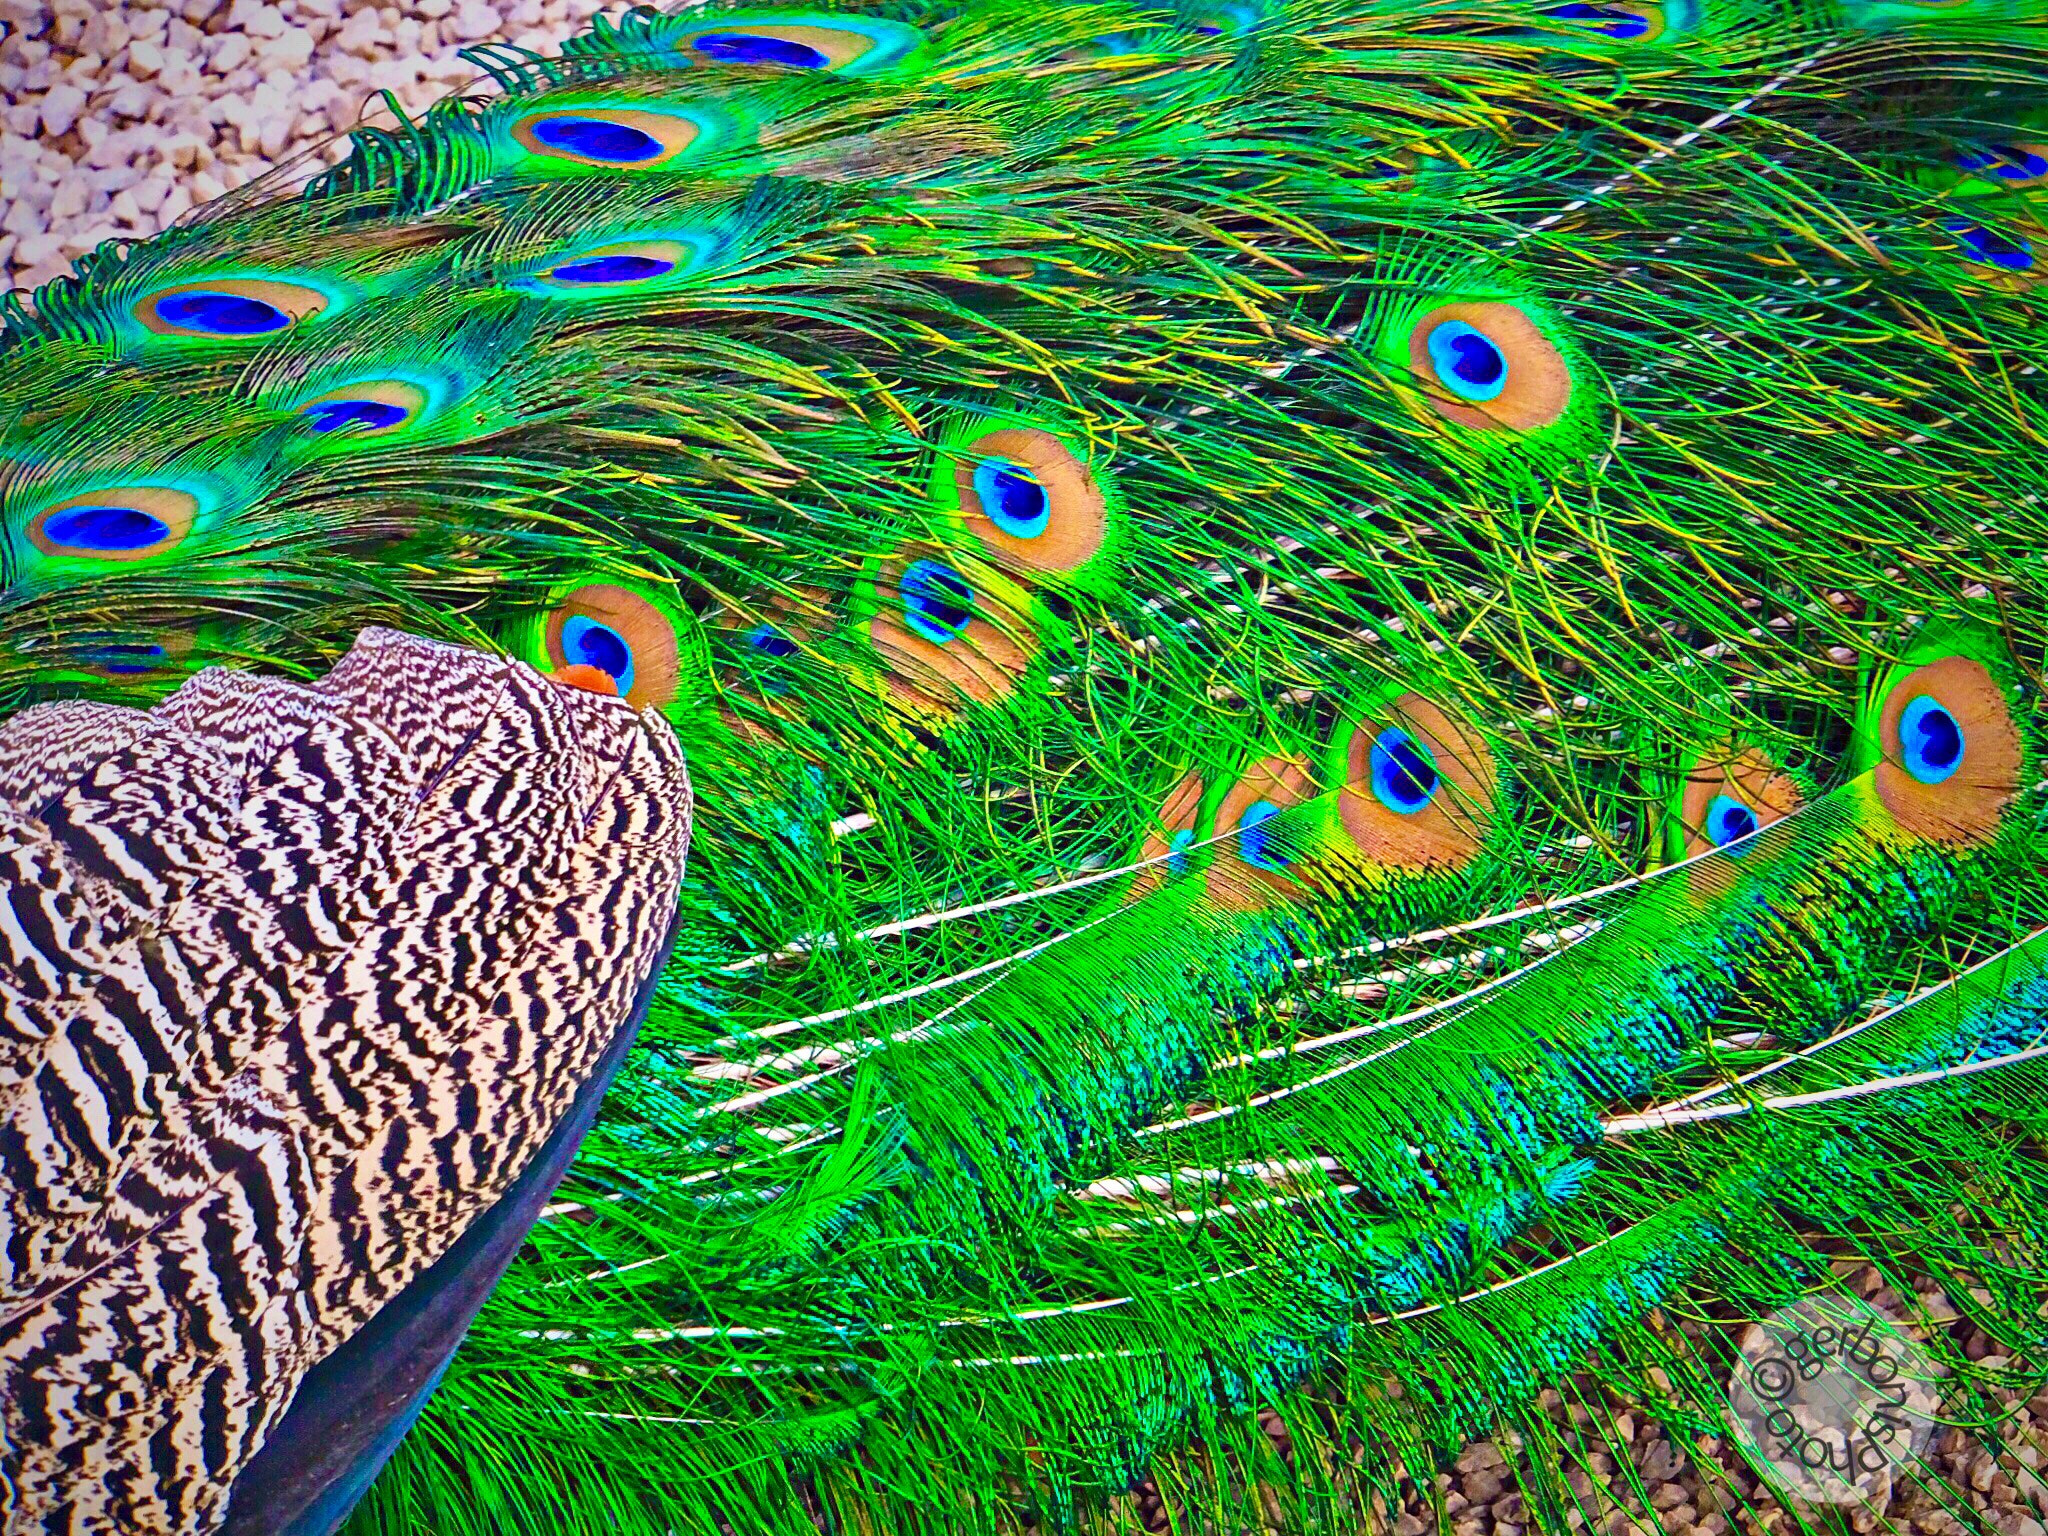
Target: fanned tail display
(1362,685)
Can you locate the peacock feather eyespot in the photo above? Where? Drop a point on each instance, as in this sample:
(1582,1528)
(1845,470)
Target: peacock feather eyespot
(1256,843)
(641,639)
(1025,495)
(757,48)
(1419,789)
(1466,362)
(1235,18)
(938,604)
(597,139)
(1730,822)
(947,630)
(1011,498)
(619,268)
(1254,862)
(591,642)
(1488,366)
(611,136)
(1983,246)
(230,308)
(371,408)
(842,45)
(131,522)
(1930,740)
(1943,745)
(1723,795)
(2017,165)
(1622,23)
(1628,21)
(1404,776)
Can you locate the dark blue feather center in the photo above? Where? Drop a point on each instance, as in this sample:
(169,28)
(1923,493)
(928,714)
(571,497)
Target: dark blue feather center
(587,642)
(1930,740)
(597,138)
(1404,776)
(770,641)
(1608,19)
(937,601)
(221,314)
(1467,361)
(1729,821)
(1011,499)
(333,415)
(751,48)
(1991,248)
(2008,162)
(613,269)
(105,529)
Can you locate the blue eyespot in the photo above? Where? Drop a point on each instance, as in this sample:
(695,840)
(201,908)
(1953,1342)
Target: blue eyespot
(1011,499)
(749,48)
(333,415)
(1177,851)
(221,314)
(105,529)
(612,269)
(1607,19)
(937,602)
(770,641)
(2007,162)
(1729,821)
(1404,776)
(124,658)
(594,138)
(1256,842)
(1989,248)
(1930,740)
(592,644)
(1467,361)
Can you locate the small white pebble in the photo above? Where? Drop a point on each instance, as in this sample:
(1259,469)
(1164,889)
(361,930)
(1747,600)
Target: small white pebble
(60,109)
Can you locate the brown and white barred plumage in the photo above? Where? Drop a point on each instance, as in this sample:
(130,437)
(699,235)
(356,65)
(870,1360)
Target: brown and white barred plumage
(296,979)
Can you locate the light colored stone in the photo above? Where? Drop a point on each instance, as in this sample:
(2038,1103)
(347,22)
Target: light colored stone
(60,109)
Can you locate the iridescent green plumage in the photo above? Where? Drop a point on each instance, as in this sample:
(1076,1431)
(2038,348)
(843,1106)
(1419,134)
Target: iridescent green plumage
(1283,615)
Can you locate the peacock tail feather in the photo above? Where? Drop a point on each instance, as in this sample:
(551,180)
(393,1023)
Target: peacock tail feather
(1360,681)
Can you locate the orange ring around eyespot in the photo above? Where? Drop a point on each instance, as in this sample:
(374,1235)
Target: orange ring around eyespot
(1749,776)
(1079,517)
(1539,383)
(296,301)
(176,510)
(1969,807)
(1443,834)
(1232,883)
(675,134)
(657,660)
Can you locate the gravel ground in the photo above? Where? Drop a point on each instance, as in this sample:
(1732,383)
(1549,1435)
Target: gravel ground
(115,119)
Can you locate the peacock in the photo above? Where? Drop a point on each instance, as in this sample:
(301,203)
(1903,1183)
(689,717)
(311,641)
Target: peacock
(1353,689)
